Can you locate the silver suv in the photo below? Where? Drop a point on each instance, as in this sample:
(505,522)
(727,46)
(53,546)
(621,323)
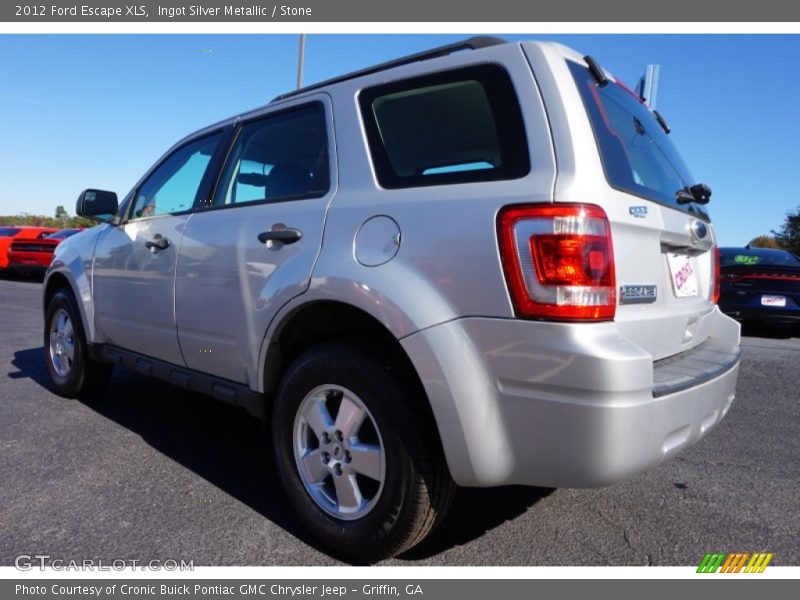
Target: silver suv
(481,265)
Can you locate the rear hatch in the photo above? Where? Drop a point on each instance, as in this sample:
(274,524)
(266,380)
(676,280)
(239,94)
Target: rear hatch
(612,151)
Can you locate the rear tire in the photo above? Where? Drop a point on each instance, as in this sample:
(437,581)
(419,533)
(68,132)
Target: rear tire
(358,453)
(72,371)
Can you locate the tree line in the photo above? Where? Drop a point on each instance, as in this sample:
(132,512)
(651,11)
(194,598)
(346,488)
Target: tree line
(61,220)
(785,238)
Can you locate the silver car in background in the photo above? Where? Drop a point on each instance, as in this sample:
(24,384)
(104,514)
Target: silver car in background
(481,265)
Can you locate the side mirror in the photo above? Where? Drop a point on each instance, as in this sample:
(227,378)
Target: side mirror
(97,205)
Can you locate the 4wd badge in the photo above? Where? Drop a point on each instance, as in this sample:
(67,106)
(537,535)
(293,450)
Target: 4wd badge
(640,212)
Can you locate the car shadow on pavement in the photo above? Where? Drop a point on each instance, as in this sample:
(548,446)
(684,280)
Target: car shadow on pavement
(33,278)
(220,443)
(228,448)
(772,331)
(30,365)
(474,512)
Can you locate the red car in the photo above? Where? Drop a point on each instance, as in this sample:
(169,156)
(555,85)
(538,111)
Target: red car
(9,233)
(32,250)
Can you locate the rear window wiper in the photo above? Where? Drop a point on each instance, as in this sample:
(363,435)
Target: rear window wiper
(661,121)
(596,70)
(699,193)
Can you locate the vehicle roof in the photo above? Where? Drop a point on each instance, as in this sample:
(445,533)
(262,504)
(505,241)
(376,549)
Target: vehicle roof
(753,250)
(478,44)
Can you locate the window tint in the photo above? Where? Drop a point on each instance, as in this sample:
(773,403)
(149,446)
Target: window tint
(8,231)
(175,183)
(63,234)
(460,126)
(280,157)
(638,156)
(751,257)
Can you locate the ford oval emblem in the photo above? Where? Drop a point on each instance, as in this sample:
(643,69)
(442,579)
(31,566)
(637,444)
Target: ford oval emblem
(699,230)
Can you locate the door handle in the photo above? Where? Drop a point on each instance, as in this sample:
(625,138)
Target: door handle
(288,235)
(157,243)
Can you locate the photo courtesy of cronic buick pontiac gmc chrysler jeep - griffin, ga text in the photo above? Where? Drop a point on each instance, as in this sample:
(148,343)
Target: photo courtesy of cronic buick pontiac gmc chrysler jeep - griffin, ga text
(480,265)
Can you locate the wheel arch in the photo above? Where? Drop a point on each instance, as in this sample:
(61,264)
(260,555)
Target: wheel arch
(318,321)
(61,280)
(56,281)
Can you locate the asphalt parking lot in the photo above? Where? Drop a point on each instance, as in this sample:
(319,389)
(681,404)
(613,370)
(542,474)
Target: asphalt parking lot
(149,472)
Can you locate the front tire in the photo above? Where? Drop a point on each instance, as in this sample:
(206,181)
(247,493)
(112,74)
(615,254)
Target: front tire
(358,454)
(72,371)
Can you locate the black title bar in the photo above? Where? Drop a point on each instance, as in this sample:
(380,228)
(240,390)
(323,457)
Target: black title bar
(336,11)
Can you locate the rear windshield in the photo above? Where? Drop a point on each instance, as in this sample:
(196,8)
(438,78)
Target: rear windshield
(8,231)
(638,156)
(458,126)
(762,257)
(64,233)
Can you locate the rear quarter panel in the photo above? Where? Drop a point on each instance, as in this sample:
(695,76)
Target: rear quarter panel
(447,265)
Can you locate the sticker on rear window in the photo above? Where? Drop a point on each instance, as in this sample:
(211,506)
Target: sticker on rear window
(745,259)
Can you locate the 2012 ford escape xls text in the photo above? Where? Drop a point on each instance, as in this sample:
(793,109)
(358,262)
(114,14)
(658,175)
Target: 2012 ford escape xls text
(481,265)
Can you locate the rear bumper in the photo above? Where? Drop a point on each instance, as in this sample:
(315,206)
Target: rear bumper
(567,405)
(29,260)
(767,315)
(749,307)
(26,269)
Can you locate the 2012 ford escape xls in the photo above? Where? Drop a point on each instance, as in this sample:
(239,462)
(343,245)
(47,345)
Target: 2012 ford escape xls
(481,265)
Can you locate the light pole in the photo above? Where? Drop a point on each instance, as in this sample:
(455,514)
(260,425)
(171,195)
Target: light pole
(300,57)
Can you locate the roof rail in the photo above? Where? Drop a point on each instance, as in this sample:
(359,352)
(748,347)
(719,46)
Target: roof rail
(473,43)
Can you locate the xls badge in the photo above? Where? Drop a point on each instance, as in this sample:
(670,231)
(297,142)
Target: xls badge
(640,212)
(637,294)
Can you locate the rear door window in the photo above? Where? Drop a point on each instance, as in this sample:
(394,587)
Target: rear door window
(637,154)
(454,127)
(280,157)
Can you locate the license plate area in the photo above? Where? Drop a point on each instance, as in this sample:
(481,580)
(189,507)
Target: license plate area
(778,301)
(683,275)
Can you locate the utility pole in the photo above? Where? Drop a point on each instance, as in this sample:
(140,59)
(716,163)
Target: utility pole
(300,58)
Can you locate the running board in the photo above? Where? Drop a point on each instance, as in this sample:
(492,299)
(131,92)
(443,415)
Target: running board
(187,379)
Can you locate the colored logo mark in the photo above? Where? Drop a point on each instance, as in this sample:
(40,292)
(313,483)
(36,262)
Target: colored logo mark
(744,259)
(735,562)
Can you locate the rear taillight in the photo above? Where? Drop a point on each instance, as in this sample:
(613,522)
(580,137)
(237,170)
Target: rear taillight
(558,261)
(717,278)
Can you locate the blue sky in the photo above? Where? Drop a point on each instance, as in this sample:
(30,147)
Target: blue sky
(81,111)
